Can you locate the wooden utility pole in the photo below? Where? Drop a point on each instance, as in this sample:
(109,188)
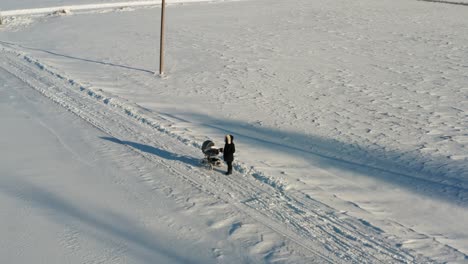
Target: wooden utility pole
(161,43)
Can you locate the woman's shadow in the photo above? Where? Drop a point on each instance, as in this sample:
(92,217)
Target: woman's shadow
(156,151)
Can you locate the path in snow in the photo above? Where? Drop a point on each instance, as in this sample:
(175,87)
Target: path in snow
(68,196)
(269,222)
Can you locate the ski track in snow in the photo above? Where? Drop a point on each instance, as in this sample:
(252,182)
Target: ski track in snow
(327,235)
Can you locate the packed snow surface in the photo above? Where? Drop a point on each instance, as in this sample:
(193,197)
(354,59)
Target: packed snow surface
(350,122)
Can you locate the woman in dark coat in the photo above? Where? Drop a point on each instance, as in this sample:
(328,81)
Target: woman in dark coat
(228,152)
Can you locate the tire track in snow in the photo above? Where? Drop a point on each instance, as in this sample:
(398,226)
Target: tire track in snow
(303,220)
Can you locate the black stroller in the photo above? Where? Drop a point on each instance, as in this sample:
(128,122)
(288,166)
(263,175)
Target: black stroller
(211,155)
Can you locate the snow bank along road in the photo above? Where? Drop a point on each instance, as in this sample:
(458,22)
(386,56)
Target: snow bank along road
(266,221)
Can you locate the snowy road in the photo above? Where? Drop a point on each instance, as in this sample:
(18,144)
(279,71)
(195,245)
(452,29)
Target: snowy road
(68,196)
(112,154)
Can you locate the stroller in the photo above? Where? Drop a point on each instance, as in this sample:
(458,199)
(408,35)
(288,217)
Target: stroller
(211,155)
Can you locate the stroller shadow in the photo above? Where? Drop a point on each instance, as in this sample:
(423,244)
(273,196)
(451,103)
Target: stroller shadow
(156,151)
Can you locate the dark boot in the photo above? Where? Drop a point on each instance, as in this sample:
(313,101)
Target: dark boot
(229,165)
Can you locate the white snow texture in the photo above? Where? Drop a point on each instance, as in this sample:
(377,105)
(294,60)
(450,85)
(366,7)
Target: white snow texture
(350,120)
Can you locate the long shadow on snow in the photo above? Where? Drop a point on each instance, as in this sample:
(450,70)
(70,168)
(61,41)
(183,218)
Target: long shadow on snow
(401,169)
(445,2)
(77,58)
(139,241)
(156,151)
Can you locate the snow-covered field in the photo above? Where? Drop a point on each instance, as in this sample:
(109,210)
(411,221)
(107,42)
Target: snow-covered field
(350,122)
